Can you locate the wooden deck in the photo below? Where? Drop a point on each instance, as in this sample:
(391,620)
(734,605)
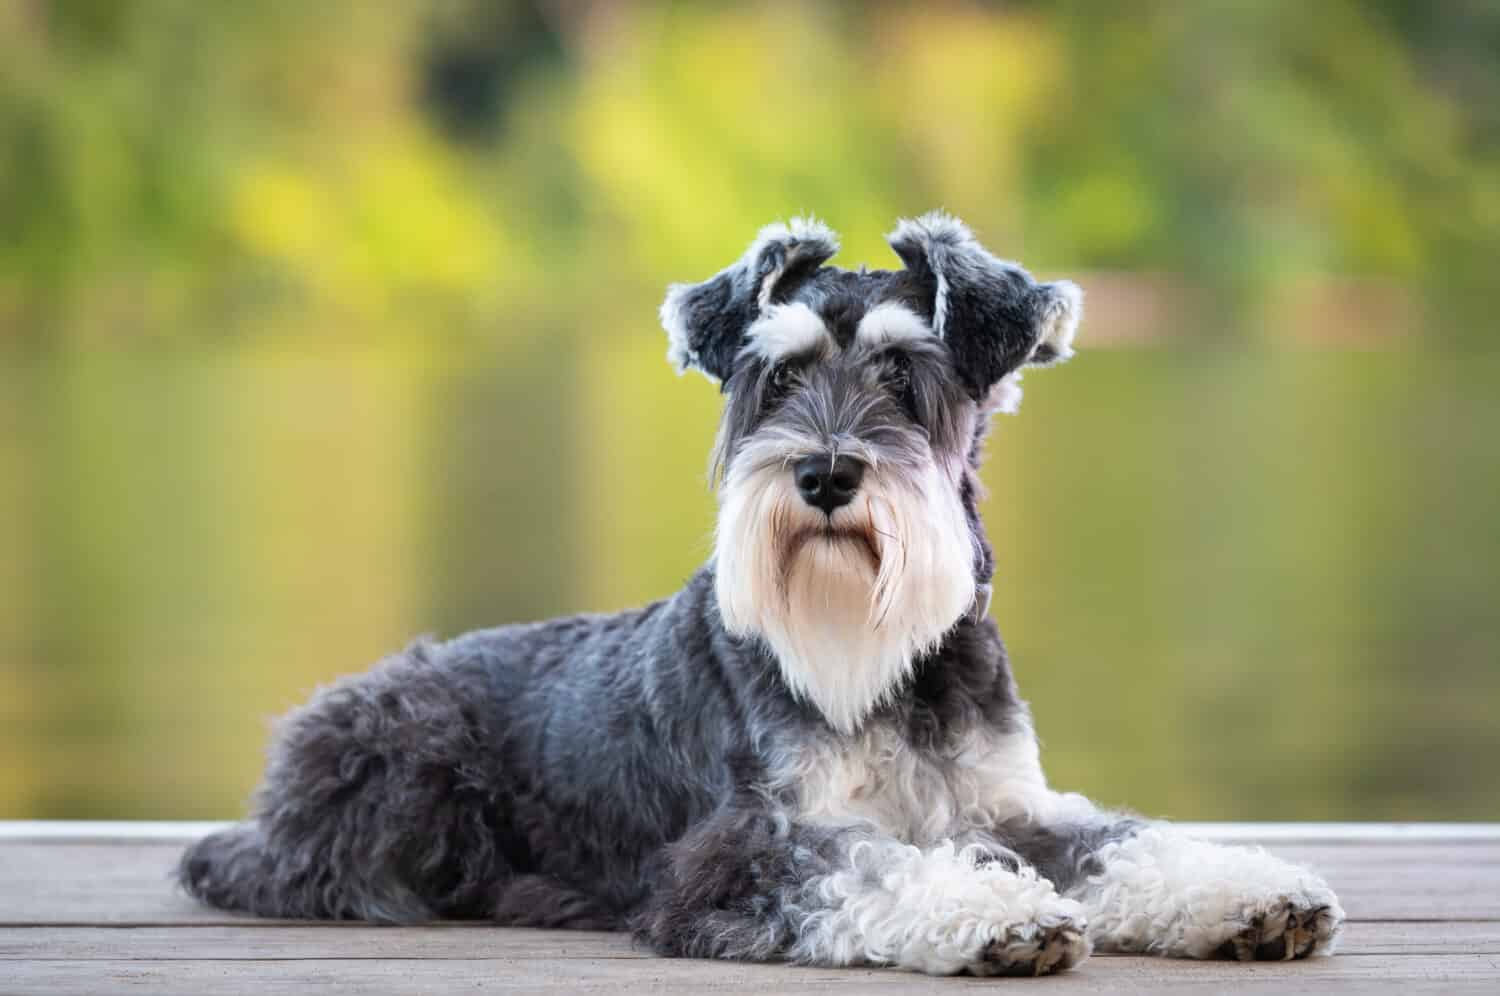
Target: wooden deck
(87,908)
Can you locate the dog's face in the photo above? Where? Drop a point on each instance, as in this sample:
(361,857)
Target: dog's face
(848,536)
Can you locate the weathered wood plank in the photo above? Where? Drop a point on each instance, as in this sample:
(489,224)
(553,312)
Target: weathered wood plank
(106,831)
(94,883)
(1408,882)
(1425,903)
(476,942)
(87,884)
(1344,833)
(1410,973)
(290,942)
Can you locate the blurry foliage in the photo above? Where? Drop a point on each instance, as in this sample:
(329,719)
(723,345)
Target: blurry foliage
(178,167)
(380,281)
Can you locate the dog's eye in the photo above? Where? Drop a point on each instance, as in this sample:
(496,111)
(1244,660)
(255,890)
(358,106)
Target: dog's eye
(897,376)
(778,385)
(781,377)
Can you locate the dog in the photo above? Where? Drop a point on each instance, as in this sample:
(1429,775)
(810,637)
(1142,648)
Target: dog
(815,751)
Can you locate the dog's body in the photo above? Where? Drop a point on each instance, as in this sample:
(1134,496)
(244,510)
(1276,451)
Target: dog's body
(815,750)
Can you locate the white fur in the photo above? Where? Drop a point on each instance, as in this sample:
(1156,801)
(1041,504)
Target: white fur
(844,630)
(1060,317)
(875,778)
(1161,892)
(787,330)
(890,322)
(939,911)
(1005,397)
(1164,892)
(680,352)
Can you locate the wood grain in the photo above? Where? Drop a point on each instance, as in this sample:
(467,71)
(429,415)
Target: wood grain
(91,908)
(471,942)
(1395,973)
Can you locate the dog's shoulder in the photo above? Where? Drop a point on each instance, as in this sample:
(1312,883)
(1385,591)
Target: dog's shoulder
(965,684)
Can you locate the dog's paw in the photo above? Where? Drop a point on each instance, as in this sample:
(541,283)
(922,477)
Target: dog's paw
(1165,893)
(1284,927)
(1036,948)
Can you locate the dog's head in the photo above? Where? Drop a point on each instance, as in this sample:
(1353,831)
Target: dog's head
(849,538)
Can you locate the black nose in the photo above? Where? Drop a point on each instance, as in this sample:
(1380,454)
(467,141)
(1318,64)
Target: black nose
(828,482)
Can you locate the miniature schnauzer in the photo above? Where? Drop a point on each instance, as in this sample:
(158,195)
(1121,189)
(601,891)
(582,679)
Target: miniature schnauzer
(814,751)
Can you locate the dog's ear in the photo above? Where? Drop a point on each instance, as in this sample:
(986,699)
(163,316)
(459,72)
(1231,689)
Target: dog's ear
(706,322)
(994,318)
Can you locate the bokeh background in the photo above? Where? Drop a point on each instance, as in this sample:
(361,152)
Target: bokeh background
(323,325)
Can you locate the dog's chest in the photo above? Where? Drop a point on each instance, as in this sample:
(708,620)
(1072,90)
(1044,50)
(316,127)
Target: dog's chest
(916,795)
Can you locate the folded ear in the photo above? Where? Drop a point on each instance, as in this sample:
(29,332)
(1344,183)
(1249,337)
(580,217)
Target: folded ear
(706,322)
(993,316)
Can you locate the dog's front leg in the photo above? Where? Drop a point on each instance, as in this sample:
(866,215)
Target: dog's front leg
(749,883)
(1155,889)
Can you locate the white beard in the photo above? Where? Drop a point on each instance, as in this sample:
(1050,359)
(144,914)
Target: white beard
(845,615)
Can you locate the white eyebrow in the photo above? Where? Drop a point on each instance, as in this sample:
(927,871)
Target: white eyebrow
(891,322)
(786,330)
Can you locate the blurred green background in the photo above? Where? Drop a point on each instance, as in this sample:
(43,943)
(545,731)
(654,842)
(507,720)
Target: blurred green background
(327,324)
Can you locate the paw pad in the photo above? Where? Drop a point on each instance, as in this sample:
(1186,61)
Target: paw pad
(1034,950)
(1292,929)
